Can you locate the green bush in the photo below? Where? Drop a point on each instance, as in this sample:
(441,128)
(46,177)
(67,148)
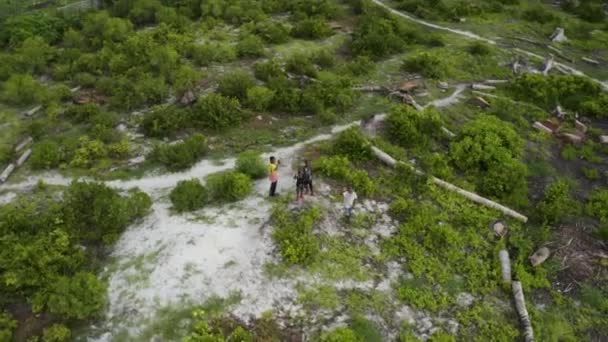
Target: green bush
(82,113)
(259,98)
(301,64)
(479,49)
(325,58)
(163,121)
(22,90)
(251,164)
(427,64)
(188,195)
(46,155)
(539,14)
(408,127)
(56,333)
(78,297)
(210,52)
(422,297)
(229,186)
(97,213)
(353,145)
(591,173)
(7,325)
(250,46)
(216,112)
(339,168)
(569,153)
(293,235)
(181,155)
(557,203)
(287,94)
(359,66)
(236,84)
(267,70)
(312,28)
(597,205)
(7,153)
(342,334)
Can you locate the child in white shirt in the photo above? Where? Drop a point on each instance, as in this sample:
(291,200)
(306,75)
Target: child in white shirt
(349,199)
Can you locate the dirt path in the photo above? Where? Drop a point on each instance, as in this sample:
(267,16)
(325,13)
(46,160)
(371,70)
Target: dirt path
(472,35)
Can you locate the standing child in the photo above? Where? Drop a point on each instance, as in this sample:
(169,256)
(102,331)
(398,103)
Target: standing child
(308,178)
(273,175)
(349,200)
(300,184)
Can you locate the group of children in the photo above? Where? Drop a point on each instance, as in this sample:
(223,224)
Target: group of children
(304,184)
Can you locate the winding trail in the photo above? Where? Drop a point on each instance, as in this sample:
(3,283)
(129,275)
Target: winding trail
(474,36)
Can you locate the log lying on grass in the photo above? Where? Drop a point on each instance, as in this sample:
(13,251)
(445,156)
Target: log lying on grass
(505,265)
(384,157)
(520,306)
(6,173)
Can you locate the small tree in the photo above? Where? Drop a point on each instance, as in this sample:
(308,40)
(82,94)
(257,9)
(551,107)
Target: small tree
(216,112)
(181,155)
(312,28)
(250,46)
(251,164)
(46,155)
(188,195)
(427,64)
(411,128)
(236,84)
(259,98)
(557,203)
(229,186)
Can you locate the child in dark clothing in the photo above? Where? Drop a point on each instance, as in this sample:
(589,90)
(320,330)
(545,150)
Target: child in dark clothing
(308,178)
(300,184)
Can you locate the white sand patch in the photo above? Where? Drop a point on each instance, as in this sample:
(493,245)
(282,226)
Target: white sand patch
(7,198)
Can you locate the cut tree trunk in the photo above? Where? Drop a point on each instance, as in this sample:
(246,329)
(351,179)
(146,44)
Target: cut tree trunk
(505,264)
(384,157)
(23,143)
(540,256)
(6,173)
(24,157)
(520,306)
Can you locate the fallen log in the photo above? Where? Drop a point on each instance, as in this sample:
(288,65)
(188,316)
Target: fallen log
(505,265)
(560,53)
(24,157)
(590,61)
(520,306)
(23,143)
(6,173)
(387,159)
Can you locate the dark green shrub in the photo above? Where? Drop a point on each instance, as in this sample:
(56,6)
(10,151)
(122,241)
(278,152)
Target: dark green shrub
(188,195)
(312,28)
(251,164)
(557,203)
(479,49)
(229,186)
(591,173)
(82,113)
(342,334)
(340,168)
(46,155)
(22,90)
(7,153)
(408,127)
(293,235)
(259,98)
(286,94)
(267,70)
(301,64)
(163,121)
(272,32)
(426,64)
(7,325)
(181,155)
(377,36)
(216,112)
(236,84)
(597,205)
(210,52)
(250,46)
(352,144)
(359,66)
(79,296)
(539,14)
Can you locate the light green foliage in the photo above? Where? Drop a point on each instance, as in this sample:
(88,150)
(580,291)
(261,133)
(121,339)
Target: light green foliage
(267,70)
(489,150)
(340,260)
(188,195)
(97,213)
(422,296)
(82,113)
(427,64)
(408,127)
(46,155)
(17,28)
(342,334)
(572,92)
(120,149)
(163,121)
(353,145)
(78,297)
(569,153)
(202,331)
(216,112)
(270,31)
(339,167)
(34,54)
(259,98)
(597,205)
(319,298)
(250,46)
(228,186)
(300,63)
(441,337)
(366,330)
(312,28)
(209,52)
(236,84)
(88,151)
(485,322)
(251,164)
(479,48)
(181,155)
(22,90)
(557,203)
(591,173)
(293,235)
(331,92)
(56,333)
(7,325)
(186,78)
(359,66)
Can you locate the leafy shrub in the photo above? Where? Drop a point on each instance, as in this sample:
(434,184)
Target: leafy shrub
(597,205)
(259,98)
(325,58)
(408,127)
(97,213)
(251,164)
(82,113)
(352,144)
(489,149)
(557,203)
(428,65)
(271,32)
(46,155)
(312,28)
(7,325)
(340,168)
(287,95)
(591,173)
(78,297)
(202,331)
(229,186)
(210,52)
(163,121)
(359,66)
(188,195)
(400,208)
(56,333)
(569,153)
(377,36)
(293,235)
(236,84)
(216,112)
(330,91)
(422,297)
(267,70)
(301,64)
(250,46)
(539,14)
(22,90)
(181,155)
(88,151)
(342,334)
(185,79)
(479,49)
